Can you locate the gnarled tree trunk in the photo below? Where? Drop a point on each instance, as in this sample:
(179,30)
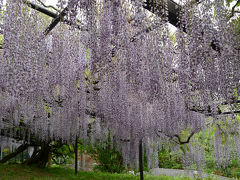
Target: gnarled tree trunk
(20,149)
(40,157)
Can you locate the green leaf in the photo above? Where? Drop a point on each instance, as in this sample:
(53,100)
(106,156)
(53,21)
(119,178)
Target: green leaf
(212,131)
(187,147)
(238,4)
(228,2)
(1,39)
(182,148)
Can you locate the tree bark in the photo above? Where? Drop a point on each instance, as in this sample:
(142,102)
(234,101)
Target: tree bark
(12,155)
(40,157)
(49,159)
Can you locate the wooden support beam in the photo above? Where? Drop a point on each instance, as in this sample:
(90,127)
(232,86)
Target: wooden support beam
(141,159)
(174,12)
(76,156)
(174,16)
(208,112)
(56,21)
(40,9)
(224,113)
(57,18)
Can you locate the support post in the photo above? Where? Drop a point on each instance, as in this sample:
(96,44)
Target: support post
(76,155)
(141,159)
(1,152)
(82,161)
(15,159)
(22,158)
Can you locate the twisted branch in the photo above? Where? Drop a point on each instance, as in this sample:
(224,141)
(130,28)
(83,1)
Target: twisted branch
(180,141)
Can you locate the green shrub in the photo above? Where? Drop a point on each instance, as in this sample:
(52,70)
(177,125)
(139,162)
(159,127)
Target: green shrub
(232,170)
(168,160)
(108,159)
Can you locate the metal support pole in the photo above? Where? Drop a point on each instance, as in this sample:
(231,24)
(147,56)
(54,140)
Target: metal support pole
(76,155)
(141,159)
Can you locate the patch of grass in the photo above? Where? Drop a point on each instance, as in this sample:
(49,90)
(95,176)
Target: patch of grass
(20,172)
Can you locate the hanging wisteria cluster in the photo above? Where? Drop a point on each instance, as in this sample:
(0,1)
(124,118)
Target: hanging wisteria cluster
(42,78)
(123,76)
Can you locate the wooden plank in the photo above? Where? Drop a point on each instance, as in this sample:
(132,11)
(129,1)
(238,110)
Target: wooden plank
(174,15)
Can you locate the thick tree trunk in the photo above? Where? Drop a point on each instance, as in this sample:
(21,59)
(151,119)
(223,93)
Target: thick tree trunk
(40,157)
(49,159)
(12,155)
(33,158)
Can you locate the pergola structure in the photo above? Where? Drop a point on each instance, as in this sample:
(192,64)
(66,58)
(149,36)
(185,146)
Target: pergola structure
(173,17)
(174,11)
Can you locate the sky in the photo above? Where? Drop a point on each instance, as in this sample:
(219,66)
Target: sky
(51,2)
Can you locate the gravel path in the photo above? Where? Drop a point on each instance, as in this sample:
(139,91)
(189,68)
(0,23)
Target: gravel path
(188,173)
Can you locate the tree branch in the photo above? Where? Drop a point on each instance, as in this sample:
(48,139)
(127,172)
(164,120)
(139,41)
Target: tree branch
(48,6)
(178,137)
(56,20)
(40,9)
(233,9)
(20,149)
(184,142)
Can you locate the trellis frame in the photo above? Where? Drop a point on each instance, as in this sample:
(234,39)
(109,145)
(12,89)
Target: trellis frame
(174,12)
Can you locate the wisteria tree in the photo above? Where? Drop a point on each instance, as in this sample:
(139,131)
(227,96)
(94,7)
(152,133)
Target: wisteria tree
(113,67)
